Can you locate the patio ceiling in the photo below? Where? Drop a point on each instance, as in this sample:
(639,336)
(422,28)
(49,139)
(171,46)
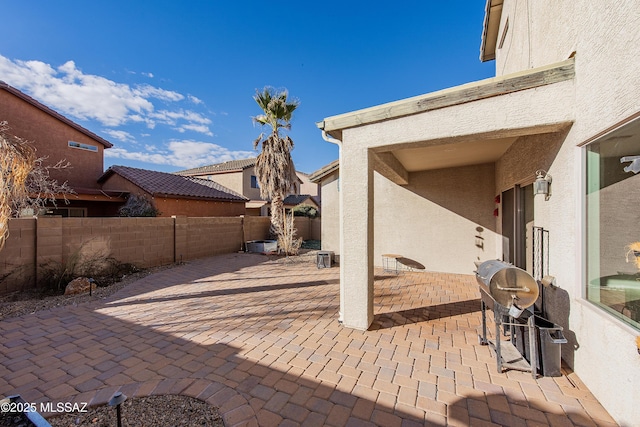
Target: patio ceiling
(453,154)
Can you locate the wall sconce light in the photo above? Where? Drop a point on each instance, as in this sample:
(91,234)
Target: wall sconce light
(542,184)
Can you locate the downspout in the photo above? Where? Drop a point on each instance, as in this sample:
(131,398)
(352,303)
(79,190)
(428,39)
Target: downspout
(333,140)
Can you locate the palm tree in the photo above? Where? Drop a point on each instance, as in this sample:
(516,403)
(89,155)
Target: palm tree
(274,167)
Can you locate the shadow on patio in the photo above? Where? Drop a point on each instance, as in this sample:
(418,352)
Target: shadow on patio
(271,351)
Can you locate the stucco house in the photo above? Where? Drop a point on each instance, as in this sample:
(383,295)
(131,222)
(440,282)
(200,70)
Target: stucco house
(328,180)
(447,178)
(307,186)
(57,138)
(293,201)
(239,176)
(174,194)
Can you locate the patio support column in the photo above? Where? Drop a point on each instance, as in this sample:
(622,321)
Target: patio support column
(356,258)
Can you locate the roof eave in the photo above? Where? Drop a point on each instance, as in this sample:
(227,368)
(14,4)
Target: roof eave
(491,25)
(470,92)
(199,198)
(318,175)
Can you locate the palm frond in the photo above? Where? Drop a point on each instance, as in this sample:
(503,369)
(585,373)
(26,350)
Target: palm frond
(274,166)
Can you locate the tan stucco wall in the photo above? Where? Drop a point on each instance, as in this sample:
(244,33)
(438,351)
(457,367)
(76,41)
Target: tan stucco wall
(307,187)
(247,191)
(601,349)
(606,85)
(539,33)
(331,213)
(603,92)
(443,219)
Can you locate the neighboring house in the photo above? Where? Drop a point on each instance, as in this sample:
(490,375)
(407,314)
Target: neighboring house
(293,201)
(239,176)
(307,186)
(57,138)
(447,178)
(174,194)
(328,180)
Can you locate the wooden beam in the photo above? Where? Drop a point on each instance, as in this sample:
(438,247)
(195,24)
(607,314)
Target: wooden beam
(390,167)
(469,92)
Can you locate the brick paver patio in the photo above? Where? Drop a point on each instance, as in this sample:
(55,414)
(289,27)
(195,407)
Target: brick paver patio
(261,340)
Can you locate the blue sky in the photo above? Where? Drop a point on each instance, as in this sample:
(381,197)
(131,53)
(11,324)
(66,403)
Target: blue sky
(170,83)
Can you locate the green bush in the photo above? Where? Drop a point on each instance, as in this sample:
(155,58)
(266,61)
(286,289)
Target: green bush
(306,210)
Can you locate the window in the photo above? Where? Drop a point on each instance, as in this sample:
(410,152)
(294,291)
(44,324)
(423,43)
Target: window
(254,182)
(82,146)
(613,222)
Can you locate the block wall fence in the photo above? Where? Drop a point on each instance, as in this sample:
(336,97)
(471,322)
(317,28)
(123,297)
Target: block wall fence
(144,242)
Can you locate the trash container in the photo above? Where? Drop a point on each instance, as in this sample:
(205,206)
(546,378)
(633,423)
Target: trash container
(324,259)
(550,340)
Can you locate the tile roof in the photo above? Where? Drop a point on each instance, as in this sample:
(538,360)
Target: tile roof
(168,184)
(296,199)
(324,171)
(232,165)
(12,90)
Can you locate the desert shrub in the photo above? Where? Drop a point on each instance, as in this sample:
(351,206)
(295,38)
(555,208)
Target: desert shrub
(287,241)
(138,206)
(53,276)
(306,210)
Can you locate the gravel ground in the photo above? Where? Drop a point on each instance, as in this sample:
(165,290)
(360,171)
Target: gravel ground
(151,411)
(27,302)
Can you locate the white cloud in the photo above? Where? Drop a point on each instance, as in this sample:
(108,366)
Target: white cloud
(120,135)
(172,117)
(195,100)
(90,97)
(148,91)
(181,153)
(195,128)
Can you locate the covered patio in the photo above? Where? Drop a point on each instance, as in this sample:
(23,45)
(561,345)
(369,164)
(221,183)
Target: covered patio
(260,339)
(423,177)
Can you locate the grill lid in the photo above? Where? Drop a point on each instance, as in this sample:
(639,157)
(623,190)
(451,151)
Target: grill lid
(507,284)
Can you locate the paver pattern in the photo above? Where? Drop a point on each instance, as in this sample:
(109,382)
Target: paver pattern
(261,340)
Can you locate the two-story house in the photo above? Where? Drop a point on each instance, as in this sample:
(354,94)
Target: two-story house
(56,138)
(539,164)
(240,176)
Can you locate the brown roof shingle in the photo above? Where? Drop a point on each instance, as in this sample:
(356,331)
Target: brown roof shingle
(232,165)
(168,184)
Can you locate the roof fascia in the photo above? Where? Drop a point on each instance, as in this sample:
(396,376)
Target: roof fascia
(474,91)
(491,25)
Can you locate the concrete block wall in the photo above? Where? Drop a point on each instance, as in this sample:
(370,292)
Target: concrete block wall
(212,236)
(144,242)
(256,227)
(307,228)
(18,256)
